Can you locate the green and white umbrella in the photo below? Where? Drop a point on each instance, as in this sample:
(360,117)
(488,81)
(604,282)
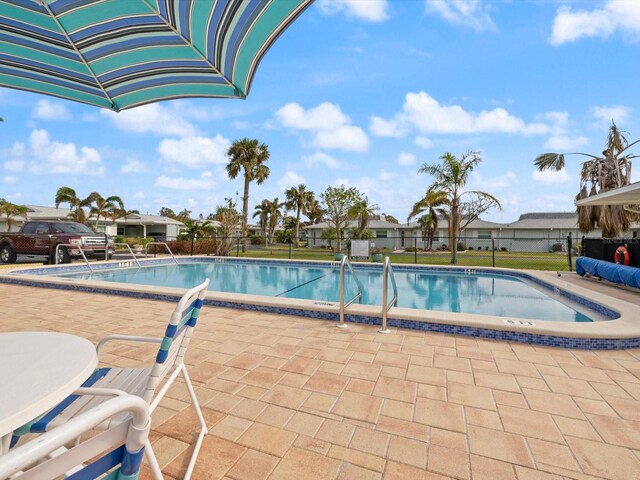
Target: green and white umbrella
(119,54)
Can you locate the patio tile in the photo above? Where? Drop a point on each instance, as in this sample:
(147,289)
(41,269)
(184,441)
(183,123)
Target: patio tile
(215,459)
(402,428)
(400,471)
(275,416)
(396,389)
(429,375)
(552,454)
(253,465)
(555,403)
(357,457)
(530,423)
(479,397)
(361,386)
(349,471)
(314,444)
(304,423)
(364,371)
(499,446)
(302,365)
(328,383)
(449,439)
(267,439)
(370,441)
(299,464)
(405,450)
(396,409)
(338,433)
(483,468)
(497,381)
(358,406)
(447,461)
(617,431)
(230,427)
(448,416)
(604,460)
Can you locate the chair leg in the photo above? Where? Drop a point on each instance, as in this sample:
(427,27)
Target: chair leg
(153,461)
(203,432)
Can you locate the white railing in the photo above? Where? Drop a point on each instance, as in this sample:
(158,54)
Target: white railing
(146,249)
(387,271)
(130,251)
(358,296)
(73,246)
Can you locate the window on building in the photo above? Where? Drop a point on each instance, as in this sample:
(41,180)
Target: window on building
(484,234)
(381,234)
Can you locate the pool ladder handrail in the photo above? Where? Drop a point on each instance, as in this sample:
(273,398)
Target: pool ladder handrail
(387,271)
(130,251)
(75,246)
(146,249)
(358,296)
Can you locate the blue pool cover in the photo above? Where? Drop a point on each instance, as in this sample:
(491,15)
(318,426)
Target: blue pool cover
(612,272)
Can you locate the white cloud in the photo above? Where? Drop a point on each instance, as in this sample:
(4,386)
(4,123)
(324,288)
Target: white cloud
(406,159)
(152,118)
(179,183)
(386,128)
(194,152)
(50,110)
(424,113)
(15,165)
(321,159)
(386,176)
(423,142)
(10,179)
(367,10)
(290,179)
(330,128)
(467,13)
(571,25)
(133,166)
(605,114)
(46,156)
(139,196)
(564,142)
(551,176)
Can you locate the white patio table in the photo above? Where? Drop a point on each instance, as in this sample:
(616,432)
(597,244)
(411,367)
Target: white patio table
(37,371)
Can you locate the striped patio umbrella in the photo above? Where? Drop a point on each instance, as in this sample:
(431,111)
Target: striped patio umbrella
(119,54)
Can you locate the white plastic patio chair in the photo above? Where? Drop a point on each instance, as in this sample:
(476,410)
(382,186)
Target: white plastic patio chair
(117,450)
(142,382)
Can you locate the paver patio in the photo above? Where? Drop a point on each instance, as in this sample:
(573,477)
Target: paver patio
(293,398)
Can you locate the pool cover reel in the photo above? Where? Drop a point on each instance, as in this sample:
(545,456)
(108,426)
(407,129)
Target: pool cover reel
(612,272)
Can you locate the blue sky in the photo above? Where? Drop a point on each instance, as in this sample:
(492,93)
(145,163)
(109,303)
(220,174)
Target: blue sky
(360,92)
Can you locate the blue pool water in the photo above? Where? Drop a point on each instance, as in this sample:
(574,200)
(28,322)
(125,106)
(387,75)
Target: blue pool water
(486,294)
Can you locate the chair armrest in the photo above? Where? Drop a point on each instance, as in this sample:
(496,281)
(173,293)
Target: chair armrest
(100,392)
(128,338)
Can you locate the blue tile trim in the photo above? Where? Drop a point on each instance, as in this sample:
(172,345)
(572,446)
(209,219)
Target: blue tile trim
(531,338)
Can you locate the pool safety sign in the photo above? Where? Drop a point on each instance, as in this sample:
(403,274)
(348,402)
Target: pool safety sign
(360,249)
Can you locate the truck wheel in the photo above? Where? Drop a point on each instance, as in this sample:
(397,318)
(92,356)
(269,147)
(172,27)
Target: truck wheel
(7,255)
(63,255)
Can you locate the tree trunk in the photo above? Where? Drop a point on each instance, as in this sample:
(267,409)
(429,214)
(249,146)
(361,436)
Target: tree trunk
(296,241)
(453,230)
(245,213)
(338,243)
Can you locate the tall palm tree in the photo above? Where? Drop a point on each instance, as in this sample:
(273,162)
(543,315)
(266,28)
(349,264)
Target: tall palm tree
(106,207)
(76,204)
(450,177)
(429,207)
(250,157)
(262,212)
(298,199)
(599,174)
(11,210)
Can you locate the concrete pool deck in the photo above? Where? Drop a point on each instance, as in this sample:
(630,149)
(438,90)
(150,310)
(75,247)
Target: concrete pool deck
(288,397)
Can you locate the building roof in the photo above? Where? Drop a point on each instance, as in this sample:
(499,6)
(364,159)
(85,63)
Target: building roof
(546,221)
(373,225)
(139,218)
(36,212)
(627,195)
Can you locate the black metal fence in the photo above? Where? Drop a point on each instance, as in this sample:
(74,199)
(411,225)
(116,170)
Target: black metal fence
(524,253)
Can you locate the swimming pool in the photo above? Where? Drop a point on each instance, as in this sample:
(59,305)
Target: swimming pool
(286,285)
(494,294)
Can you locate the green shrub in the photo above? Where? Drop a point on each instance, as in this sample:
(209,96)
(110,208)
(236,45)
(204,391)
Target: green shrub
(461,247)
(503,249)
(257,239)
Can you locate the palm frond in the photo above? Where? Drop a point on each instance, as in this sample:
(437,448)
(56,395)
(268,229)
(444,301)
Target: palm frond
(549,161)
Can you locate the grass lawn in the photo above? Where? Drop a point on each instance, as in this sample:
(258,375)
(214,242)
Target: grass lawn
(472,258)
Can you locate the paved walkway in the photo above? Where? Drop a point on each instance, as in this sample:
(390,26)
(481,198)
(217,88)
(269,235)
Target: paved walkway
(293,398)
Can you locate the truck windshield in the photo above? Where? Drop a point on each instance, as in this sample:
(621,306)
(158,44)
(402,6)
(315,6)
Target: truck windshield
(71,228)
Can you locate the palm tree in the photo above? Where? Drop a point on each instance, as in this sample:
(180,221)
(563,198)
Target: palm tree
(314,212)
(432,203)
(450,177)
(362,210)
(194,229)
(599,174)
(275,215)
(76,204)
(298,199)
(109,207)
(248,156)
(11,210)
(262,212)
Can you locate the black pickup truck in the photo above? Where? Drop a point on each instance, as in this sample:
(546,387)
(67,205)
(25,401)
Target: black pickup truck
(40,238)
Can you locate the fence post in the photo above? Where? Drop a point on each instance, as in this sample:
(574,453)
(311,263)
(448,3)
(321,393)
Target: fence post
(51,253)
(415,250)
(569,245)
(238,247)
(493,252)
(106,247)
(290,249)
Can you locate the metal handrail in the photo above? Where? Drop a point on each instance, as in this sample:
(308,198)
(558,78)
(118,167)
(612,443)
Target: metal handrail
(358,296)
(74,246)
(387,271)
(146,249)
(130,251)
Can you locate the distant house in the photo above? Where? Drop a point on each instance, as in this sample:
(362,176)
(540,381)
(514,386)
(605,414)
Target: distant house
(135,225)
(544,232)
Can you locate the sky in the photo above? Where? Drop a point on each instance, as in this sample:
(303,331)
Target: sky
(360,93)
